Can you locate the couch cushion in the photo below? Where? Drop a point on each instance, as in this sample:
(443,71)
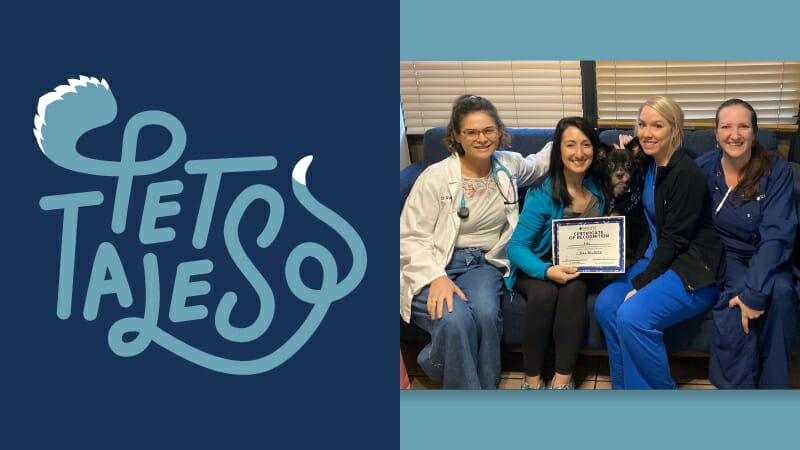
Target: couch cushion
(696,142)
(523,140)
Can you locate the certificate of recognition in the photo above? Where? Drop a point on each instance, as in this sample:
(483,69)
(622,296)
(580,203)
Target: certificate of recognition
(593,245)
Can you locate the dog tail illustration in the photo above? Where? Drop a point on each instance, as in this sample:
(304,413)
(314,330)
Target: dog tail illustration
(331,290)
(69,111)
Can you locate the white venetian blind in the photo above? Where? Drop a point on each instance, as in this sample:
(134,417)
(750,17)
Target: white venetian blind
(533,94)
(772,87)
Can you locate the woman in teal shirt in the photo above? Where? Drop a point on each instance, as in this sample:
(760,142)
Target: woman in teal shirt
(556,297)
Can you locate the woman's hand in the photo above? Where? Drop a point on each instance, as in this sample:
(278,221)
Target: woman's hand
(630,294)
(561,274)
(624,139)
(747,312)
(441,291)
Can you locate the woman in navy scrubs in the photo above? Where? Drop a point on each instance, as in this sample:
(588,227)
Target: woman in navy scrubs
(754,213)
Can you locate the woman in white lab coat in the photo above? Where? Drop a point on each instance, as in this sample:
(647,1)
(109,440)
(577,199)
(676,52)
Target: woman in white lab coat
(454,228)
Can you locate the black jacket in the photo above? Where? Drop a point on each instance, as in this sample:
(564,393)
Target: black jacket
(687,241)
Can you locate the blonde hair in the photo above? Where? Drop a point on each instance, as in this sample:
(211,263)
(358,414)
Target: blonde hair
(671,112)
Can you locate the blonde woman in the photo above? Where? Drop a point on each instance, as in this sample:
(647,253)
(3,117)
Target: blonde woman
(680,273)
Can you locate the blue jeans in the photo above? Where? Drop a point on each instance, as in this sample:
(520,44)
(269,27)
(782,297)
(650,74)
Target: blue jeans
(464,352)
(634,328)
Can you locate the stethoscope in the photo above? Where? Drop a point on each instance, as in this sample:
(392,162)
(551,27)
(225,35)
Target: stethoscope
(497,166)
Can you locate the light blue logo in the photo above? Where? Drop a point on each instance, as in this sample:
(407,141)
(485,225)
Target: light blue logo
(86,103)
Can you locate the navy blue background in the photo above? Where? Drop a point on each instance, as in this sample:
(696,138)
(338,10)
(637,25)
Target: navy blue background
(286,80)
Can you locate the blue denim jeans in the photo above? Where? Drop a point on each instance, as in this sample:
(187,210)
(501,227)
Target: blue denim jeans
(464,352)
(634,328)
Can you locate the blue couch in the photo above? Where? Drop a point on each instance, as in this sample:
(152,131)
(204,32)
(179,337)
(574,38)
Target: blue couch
(691,336)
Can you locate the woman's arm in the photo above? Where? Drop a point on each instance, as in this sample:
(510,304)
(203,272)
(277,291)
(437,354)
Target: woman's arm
(532,167)
(535,216)
(777,232)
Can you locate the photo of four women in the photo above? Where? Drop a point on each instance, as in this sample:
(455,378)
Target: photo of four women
(721,232)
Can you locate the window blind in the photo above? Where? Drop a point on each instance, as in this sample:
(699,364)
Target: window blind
(534,94)
(772,87)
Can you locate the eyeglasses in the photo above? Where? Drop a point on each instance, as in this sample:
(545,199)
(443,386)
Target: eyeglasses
(472,134)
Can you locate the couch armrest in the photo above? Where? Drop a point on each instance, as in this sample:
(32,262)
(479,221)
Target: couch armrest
(407,178)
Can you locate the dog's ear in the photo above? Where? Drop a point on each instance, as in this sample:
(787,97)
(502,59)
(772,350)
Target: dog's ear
(602,151)
(634,146)
(639,157)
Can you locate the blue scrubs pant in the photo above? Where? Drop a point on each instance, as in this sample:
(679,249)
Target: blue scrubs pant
(634,328)
(762,357)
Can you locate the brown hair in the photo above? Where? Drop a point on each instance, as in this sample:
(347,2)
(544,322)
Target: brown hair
(468,104)
(759,161)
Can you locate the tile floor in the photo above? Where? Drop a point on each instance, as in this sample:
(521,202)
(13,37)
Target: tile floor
(591,372)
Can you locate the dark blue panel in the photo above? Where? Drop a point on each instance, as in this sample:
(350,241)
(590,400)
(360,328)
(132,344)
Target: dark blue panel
(284,80)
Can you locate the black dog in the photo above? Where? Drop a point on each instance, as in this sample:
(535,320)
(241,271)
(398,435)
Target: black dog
(622,173)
